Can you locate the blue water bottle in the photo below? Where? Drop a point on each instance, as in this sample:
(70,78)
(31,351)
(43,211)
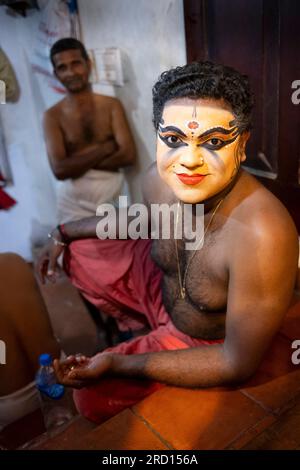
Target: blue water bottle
(55,403)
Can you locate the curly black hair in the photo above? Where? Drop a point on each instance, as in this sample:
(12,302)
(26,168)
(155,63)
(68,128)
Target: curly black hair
(65,44)
(205,80)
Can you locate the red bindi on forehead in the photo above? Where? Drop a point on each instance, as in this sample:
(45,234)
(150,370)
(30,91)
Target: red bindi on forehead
(193,125)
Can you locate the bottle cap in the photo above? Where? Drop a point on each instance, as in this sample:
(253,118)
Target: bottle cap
(45,360)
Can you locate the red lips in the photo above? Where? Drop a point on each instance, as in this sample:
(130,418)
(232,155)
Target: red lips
(190,179)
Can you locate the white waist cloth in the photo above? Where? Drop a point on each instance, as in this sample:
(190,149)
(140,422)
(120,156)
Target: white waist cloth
(18,404)
(79,198)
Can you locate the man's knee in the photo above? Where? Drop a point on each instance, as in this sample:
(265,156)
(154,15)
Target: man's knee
(110,396)
(99,403)
(12,261)
(85,404)
(15,273)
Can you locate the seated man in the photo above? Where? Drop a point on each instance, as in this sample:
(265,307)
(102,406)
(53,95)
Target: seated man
(87,136)
(25,331)
(212,311)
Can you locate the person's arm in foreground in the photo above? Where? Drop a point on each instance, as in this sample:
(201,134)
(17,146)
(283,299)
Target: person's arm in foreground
(79,229)
(46,265)
(258,296)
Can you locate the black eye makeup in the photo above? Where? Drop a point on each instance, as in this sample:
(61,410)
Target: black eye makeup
(174,137)
(173,141)
(216,143)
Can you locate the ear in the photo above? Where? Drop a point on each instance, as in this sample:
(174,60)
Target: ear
(243,141)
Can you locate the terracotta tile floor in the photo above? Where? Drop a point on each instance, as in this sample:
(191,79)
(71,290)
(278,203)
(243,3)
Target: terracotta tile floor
(263,414)
(199,419)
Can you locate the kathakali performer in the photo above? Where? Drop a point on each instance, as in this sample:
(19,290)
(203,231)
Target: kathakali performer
(211,312)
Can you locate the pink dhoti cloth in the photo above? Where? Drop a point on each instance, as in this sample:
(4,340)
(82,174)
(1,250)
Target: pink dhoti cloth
(121,279)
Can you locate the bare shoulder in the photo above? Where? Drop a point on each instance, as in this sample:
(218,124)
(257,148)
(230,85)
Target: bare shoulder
(262,222)
(107,101)
(54,113)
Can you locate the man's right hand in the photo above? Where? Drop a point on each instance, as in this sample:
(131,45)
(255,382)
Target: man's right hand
(83,371)
(46,266)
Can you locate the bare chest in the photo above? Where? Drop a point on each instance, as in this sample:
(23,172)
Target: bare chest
(85,125)
(202,312)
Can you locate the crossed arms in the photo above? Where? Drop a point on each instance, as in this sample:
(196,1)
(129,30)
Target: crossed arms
(109,155)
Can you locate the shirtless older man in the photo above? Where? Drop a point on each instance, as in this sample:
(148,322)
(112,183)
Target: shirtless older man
(213,311)
(87,137)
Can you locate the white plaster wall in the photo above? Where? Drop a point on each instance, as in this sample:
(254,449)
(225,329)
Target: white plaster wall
(151,37)
(34,186)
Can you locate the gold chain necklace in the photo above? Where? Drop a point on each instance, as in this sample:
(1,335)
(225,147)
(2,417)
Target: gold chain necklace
(182,281)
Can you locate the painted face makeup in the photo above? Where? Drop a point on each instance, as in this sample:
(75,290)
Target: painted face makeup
(198,148)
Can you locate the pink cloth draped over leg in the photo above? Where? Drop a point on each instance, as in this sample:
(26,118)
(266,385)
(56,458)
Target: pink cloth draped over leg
(120,278)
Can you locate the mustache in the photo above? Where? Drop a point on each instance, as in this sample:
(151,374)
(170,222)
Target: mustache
(73,79)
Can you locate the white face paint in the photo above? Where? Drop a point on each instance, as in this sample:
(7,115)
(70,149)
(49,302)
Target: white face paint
(199,148)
